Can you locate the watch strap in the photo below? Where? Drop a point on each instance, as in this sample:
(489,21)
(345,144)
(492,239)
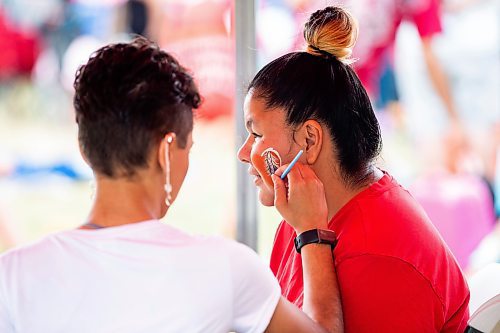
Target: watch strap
(315,236)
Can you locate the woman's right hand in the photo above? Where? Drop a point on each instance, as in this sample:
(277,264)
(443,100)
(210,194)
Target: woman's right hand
(303,206)
(302,203)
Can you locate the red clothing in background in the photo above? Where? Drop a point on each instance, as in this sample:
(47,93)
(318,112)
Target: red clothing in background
(395,272)
(378,23)
(19,49)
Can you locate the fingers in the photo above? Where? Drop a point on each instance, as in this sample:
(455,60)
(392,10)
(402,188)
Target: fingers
(302,204)
(295,174)
(280,193)
(301,172)
(280,170)
(280,185)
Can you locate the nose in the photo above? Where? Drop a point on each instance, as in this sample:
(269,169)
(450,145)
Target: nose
(244,151)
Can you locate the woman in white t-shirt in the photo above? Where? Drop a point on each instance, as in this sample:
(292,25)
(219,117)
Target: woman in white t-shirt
(123,270)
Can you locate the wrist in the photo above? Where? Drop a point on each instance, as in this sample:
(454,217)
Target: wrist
(315,236)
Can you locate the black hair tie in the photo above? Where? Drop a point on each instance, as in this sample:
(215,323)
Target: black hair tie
(328,55)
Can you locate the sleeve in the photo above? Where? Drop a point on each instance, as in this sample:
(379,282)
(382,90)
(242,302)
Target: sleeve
(386,294)
(255,290)
(428,18)
(5,321)
(5,325)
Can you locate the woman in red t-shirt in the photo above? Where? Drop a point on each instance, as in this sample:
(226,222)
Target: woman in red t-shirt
(394,271)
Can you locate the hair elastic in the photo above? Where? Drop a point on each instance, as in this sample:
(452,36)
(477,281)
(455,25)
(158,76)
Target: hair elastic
(328,55)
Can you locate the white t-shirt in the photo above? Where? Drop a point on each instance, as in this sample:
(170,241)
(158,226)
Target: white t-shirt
(141,277)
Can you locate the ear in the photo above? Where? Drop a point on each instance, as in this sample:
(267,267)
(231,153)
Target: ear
(167,141)
(312,135)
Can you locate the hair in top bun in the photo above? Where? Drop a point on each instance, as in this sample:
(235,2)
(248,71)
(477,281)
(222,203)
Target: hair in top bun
(331,31)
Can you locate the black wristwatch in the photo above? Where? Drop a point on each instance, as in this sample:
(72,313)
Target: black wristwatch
(318,236)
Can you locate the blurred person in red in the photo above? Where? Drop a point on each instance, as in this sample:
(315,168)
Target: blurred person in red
(20,48)
(395,273)
(123,270)
(379,21)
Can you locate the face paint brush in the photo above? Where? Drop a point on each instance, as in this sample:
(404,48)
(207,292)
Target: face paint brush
(290,166)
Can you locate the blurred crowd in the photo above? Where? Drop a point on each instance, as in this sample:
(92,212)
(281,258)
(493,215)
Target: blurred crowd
(431,68)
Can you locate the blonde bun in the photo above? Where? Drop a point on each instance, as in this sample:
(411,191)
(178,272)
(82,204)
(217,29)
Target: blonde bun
(332,30)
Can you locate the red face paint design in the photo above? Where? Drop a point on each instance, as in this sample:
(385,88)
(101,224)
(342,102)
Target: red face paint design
(266,164)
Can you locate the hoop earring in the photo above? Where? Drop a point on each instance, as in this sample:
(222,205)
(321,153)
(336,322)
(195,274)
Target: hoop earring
(168,185)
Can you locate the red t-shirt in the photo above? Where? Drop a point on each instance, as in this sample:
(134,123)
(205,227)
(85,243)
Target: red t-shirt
(395,272)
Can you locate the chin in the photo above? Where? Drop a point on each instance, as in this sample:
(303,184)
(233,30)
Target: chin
(266,199)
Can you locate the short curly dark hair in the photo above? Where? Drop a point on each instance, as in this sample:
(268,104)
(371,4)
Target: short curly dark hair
(127,97)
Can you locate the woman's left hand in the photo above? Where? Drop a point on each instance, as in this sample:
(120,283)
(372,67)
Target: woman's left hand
(303,204)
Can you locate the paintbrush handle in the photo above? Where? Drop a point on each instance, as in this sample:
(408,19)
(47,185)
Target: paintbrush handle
(292,163)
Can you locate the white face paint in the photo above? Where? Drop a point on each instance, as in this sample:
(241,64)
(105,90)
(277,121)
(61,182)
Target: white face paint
(272,160)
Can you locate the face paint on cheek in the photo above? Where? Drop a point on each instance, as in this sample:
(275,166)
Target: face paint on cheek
(266,164)
(272,160)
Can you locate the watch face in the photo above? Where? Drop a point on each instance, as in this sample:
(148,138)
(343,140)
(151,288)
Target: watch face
(315,236)
(327,235)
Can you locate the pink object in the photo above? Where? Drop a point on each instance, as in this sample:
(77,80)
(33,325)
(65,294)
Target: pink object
(461,208)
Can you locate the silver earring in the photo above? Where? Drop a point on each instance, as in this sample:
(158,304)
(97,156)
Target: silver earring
(168,185)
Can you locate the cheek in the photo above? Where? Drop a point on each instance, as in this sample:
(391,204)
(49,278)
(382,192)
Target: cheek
(259,164)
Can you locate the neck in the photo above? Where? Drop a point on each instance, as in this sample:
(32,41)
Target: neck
(338,193)
(122,201)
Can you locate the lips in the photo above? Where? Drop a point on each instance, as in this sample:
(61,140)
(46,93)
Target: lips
(253,172)
(257,179)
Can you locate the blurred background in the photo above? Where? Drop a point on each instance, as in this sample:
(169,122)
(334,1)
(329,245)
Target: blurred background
(431,67)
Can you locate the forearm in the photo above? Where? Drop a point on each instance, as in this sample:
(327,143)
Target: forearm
(303,206)
(322,300)
(438,78)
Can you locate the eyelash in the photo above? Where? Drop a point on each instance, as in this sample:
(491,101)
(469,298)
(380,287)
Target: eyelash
(256,136)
